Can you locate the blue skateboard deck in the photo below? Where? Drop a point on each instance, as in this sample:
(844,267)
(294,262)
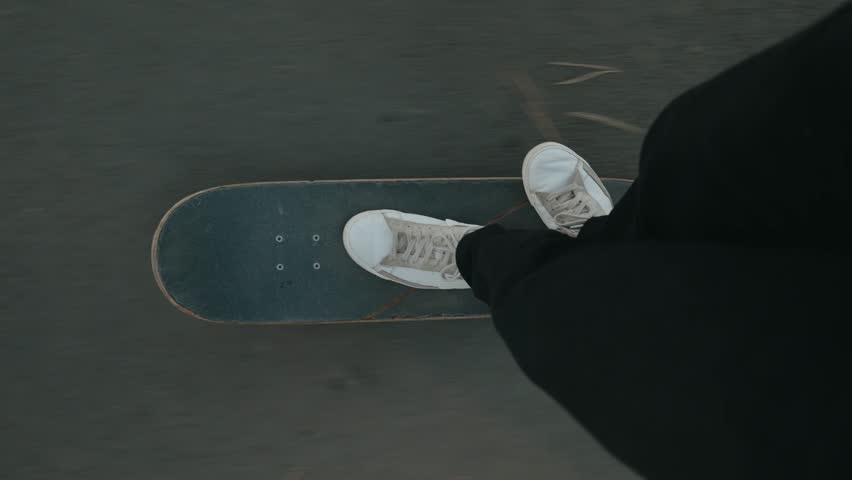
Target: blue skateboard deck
(272,253)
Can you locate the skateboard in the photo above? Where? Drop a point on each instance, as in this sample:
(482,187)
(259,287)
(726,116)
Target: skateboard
(272,253)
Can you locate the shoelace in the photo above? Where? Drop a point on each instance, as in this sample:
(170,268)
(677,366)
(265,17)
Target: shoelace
(569,205)
(422,247)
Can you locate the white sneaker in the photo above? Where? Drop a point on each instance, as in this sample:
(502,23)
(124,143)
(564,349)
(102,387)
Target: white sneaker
(409,249)
(563,188)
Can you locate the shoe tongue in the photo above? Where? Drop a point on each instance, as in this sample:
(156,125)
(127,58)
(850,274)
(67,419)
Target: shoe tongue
(401,242)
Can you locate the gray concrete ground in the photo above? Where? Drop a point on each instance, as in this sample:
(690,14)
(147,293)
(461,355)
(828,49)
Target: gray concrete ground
(110,111)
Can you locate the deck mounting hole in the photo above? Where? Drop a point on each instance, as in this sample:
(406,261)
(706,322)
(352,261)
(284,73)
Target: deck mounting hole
(316,266)
(279,267)
(279,238)
(316,237)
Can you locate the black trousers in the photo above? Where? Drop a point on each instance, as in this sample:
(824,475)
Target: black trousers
(699,330)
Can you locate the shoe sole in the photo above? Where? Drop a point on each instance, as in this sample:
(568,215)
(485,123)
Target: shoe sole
(543,214)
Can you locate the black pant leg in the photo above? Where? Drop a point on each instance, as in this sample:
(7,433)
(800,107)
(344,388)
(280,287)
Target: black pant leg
(760,154)
(698,361)
(493,259)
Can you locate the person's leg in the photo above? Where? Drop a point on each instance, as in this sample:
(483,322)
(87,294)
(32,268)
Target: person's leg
(685,361)
(493,259)
(760,154)
(700,360)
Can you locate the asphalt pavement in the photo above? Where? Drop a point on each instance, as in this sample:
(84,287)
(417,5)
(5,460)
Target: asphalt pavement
(110,111)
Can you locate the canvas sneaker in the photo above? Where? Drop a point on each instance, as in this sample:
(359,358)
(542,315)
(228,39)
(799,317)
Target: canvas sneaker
(563,188)
(410,249)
